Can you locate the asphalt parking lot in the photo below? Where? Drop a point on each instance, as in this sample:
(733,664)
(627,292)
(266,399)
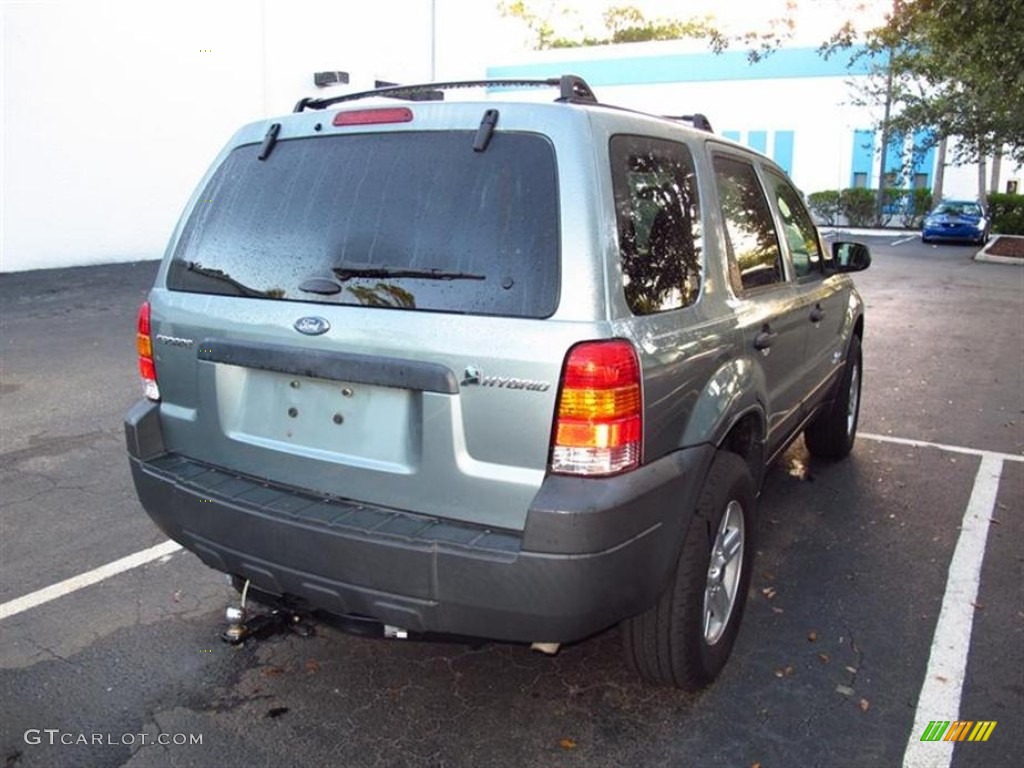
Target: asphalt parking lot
(841,658)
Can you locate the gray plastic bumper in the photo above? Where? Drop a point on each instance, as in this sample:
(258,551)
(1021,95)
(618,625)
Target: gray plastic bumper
(593,552)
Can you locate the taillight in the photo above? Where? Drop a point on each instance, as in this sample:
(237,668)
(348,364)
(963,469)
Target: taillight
(144,346)
(599,422)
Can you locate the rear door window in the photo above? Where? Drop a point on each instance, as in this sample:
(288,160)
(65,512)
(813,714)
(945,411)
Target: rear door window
(408,220)
(753,245)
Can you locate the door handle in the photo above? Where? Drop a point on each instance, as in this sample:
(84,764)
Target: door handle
(765,338)
(817,314)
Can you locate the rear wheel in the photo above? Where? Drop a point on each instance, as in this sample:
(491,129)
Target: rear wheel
(831,434)
(686,638)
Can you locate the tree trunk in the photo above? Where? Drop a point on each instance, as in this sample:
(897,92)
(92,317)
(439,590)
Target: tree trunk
(982,174)
(940,170)
(880,199)
(997,166)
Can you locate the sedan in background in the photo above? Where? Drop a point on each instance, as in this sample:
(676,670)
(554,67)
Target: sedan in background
(956,220)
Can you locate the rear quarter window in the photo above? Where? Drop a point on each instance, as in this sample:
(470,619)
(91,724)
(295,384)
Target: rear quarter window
(658,220)
(407,220)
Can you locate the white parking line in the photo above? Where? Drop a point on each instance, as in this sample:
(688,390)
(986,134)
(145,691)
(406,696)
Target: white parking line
(947,662)
(903,240)
(66,587)
(940,446)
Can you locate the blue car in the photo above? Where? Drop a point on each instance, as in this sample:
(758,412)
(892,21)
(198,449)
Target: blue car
(956,220)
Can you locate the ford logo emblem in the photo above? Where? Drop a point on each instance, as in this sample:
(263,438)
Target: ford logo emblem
(312,326)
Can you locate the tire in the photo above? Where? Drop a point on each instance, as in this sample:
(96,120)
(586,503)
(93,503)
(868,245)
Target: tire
(683,641)
(832,432)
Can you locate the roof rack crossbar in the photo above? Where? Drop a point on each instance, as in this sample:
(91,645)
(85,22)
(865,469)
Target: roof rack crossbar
(572,88)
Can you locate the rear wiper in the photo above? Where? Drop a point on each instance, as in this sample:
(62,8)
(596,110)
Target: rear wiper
(348,273)
(223,277)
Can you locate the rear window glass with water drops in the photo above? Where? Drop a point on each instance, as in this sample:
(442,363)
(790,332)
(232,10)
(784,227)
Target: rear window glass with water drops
(405,220)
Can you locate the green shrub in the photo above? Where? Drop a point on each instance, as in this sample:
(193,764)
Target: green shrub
(858,206)
(1007,212)
(825,205)
(914,206)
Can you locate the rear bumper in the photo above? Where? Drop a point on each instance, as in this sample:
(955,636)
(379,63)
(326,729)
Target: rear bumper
(593,552)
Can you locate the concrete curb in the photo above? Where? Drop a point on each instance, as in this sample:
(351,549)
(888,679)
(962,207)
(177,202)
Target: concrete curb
(866,232)
(992,258)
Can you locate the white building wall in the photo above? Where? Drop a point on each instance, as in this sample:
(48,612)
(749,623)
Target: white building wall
(813,101)
(822,128)
(112,110)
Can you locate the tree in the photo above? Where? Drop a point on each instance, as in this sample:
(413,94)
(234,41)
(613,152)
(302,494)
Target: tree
(622,23)
(956,69)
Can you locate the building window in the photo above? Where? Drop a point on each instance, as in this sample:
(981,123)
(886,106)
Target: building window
(863,152)
(920,181)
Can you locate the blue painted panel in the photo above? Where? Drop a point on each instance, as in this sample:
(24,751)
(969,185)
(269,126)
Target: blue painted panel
(731,135)
(694,67)
(863,153)
(782,152)
(758,140)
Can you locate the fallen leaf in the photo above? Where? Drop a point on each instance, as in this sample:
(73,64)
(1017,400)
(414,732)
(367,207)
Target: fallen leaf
(312,665)
(980,606)
(779,673)
(789,670)
(177,596)
(845,690)
(768,592)
(942,679)
(812,636)
(567,743)
(865,705)
(755,765)
(777,610)
(824,658)
(271,671)
(851,670)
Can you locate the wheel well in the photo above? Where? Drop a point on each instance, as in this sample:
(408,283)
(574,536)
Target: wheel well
(746,440)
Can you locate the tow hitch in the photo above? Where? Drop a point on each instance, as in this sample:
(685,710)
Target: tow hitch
(242,625)
(289,615)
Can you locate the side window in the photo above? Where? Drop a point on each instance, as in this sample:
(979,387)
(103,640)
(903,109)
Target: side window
(801,234)
(658,218)
(755,258)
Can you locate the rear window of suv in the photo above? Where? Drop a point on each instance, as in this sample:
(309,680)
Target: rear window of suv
(407,220)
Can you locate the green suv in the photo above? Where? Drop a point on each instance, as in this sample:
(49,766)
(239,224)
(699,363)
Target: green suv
(493,368)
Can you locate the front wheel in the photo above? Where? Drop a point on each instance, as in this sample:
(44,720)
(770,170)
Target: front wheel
(686,638)
(832,432)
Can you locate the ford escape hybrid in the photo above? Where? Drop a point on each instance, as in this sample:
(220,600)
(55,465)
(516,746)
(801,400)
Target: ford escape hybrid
(492,368)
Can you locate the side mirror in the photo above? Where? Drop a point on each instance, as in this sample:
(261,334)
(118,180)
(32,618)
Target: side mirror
(851,257)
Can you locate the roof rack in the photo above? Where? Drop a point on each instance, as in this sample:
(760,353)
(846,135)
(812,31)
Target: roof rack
(572,89)
(697,120)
